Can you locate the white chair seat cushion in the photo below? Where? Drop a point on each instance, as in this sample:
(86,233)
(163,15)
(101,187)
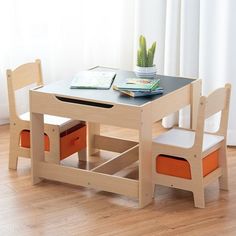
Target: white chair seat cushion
(64,123)
(185,139)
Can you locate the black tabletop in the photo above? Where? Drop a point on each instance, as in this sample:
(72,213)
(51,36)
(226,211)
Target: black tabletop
(61,88)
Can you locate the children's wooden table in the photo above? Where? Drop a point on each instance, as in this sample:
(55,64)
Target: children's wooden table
(108,107)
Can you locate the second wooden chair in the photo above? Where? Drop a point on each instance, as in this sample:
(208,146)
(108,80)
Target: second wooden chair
(191,159)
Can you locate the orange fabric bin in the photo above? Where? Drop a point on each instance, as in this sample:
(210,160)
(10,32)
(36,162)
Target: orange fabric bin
(179,167)
(71,141)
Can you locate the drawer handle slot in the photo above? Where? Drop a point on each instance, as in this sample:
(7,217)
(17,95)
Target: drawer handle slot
(82,102)
(76,141)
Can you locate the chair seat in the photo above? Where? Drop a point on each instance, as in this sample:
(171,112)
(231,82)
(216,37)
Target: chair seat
(62,122)
(185,139)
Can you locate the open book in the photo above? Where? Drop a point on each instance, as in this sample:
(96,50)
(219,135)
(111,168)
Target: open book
(93,80)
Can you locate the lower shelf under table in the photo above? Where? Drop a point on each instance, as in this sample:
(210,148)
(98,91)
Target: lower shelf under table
(103,176)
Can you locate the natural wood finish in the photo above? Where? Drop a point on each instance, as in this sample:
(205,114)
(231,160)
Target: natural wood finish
(140,118)
(52,208)
(119,162)
(92,130)
(179,99)
(114,184)
(39,147)
(215,102)
(196,90)
(213,106)
(42,169)
(113,144)
(21,77)
(145,157)
(93,115)
(212,176)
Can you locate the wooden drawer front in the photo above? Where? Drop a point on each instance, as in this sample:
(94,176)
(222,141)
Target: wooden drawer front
(179,167)
(71,141)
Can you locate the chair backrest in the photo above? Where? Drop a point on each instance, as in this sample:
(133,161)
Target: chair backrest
(21,77)
(217,101)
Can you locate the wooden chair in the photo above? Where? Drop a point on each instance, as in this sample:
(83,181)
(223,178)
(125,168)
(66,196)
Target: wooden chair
(191,159)
(21,77)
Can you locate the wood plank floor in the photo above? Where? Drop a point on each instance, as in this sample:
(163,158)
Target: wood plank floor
(52,208)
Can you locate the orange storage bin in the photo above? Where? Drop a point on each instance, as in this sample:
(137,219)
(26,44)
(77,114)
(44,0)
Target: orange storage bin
(25,140)
(179,167)
(71,141)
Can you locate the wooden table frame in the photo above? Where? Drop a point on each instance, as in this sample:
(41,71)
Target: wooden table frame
(140,118)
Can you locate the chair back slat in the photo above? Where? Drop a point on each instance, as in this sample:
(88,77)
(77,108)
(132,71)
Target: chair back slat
(216,102)
(19,78)
(25,75)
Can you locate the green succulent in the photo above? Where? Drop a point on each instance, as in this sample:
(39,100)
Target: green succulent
(145,57)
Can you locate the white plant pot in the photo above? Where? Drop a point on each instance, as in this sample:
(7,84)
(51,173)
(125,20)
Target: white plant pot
(145,72)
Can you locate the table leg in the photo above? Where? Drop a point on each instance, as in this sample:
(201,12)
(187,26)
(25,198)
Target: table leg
(196,90)
(37,144)
(145,155)
(82,155)
(92,129)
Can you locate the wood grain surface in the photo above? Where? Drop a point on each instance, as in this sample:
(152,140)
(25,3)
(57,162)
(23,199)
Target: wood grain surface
(52,208)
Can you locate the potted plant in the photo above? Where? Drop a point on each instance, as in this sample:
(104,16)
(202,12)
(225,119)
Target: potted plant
(145,66)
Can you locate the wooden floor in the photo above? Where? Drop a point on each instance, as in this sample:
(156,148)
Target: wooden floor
(52,208)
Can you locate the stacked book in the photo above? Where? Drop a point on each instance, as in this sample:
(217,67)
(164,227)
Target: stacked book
(136,87)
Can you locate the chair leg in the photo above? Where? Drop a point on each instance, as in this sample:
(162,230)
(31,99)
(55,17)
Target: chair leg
(13,154)
(199,199)
(197,182)
(153,190)
(223,180)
